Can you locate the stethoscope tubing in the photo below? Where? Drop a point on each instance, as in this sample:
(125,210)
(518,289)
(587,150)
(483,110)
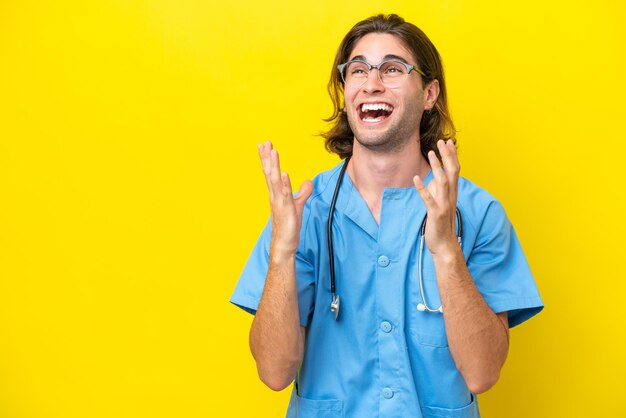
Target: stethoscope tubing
(423,306)
(335,301)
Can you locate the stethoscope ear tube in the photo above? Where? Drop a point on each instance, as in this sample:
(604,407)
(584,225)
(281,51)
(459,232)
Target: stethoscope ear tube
(335,303)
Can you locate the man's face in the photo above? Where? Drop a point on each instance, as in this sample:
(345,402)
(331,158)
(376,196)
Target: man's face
(384,119)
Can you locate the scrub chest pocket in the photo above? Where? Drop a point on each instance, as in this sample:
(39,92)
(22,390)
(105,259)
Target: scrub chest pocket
(427,328)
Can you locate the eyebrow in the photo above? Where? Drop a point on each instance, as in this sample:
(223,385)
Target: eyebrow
(386,57)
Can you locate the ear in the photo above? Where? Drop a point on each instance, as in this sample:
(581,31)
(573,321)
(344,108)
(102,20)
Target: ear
(431,93)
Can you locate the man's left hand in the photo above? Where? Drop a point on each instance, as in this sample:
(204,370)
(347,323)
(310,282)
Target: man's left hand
(440,198)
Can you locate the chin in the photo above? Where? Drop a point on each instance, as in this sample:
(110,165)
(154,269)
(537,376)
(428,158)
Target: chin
(380,143)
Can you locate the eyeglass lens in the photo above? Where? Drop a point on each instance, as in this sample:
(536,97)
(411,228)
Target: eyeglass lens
(391,73)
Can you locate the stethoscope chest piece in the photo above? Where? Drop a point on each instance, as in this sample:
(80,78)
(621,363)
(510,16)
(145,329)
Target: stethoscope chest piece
(423,308)
(334,306)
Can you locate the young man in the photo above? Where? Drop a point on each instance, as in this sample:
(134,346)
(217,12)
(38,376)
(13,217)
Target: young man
(413,324)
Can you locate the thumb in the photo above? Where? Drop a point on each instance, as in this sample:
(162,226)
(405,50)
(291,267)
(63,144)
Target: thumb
(303,195)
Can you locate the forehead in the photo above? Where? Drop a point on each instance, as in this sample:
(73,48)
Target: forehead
(374,47)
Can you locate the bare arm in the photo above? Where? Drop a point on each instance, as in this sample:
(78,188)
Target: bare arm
(478,338)
(276,336)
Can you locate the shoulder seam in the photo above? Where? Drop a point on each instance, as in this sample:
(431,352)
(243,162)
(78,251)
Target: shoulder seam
(487,205)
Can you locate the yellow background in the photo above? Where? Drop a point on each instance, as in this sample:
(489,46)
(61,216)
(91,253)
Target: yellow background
(131,194)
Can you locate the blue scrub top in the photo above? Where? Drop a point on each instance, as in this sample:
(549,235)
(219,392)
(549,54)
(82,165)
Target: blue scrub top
(383,357)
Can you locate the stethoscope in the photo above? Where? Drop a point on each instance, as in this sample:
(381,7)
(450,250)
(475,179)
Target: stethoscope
(335,301)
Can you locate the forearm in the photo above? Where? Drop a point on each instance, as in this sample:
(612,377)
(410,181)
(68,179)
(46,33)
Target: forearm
(276,337)
(477,337)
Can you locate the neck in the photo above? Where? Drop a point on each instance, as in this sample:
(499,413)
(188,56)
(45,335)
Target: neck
(372,172)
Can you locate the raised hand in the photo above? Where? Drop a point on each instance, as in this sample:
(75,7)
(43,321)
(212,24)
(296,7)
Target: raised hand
(440,198)
(286,210)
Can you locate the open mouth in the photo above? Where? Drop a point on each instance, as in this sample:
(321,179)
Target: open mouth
(374,112)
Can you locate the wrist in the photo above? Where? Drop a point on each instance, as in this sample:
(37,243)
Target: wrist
(281,254)
(447,253)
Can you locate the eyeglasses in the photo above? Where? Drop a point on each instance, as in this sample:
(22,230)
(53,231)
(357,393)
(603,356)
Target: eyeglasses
(392,73)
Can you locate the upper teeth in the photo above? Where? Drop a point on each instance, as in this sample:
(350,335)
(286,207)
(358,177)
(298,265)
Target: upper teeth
(376,106)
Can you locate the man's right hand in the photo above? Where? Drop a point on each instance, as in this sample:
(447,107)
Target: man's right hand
(276,336)
(286,210)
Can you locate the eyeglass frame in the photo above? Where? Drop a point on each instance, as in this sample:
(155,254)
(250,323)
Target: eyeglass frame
(409,68)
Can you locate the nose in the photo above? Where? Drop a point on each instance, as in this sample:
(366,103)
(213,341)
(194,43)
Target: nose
(373,83)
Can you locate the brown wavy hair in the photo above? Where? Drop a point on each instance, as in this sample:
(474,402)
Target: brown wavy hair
(435,124)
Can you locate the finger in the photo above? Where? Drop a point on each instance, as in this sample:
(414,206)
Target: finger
(264,155)
(272,171)
(435,165)
(261,150)
(275,180)
(425,195)
(450,159)
(438,174)
(286,191)
(306,189)
(451,168)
